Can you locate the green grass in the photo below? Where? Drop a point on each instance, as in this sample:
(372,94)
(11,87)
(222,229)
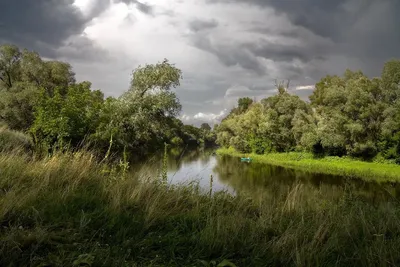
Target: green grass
(66,210)
(381,172)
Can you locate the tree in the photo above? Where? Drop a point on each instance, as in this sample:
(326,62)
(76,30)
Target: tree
(10,57)
(244,104)
(22,76)
(205,126)
(69,118)
(161,76)
(140,119)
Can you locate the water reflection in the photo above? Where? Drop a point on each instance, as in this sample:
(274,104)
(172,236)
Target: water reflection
(262,180)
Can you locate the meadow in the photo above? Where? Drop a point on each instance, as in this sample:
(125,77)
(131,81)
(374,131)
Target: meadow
(384,171)
(70,210)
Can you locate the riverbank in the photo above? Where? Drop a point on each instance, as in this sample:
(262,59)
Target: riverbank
(381,172)
(68,210)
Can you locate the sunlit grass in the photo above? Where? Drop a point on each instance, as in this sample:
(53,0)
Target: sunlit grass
(65,210)
(329,165)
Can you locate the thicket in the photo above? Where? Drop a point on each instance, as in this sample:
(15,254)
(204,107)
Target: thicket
(43,100)
(351,115)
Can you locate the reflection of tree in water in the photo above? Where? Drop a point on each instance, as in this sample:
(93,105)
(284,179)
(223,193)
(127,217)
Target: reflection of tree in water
(276,182)
(179,156)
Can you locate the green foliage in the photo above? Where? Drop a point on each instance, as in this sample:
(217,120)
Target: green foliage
(43,98)
(69,118)
(350,115)
(161,76)
(177,141)
(22,75)
(13,140)
(206,127)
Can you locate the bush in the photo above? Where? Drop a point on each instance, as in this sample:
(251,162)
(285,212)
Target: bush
(176,141)
(13,140)
(365,151)
(240,144)
(260,146)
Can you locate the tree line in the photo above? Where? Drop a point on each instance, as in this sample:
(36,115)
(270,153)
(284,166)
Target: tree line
(348,115)
(43,99)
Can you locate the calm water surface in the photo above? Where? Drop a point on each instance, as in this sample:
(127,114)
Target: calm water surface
(232,175)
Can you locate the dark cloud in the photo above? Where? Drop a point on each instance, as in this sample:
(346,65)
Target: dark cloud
(279,52)
(230,55)
(363,30)
(145,8)
(197,25)
(81,49)
(34,23)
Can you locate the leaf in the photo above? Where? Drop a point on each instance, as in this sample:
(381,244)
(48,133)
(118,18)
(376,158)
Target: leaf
(226,263)
(204,263)
(84,260)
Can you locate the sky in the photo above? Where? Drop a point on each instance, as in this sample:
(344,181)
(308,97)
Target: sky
(226,49)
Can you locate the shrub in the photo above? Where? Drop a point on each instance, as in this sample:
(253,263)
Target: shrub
(365,151)
(176,141)
(13,140)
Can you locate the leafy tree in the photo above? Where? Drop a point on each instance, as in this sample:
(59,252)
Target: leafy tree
(244,104)
(139,120)
(205,126)
(348,115)
(22,75)
(10,57)
(69,118)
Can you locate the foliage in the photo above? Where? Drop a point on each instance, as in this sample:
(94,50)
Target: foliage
(22,75)
(351,115)
(11,140)
(69,118)
(43,98)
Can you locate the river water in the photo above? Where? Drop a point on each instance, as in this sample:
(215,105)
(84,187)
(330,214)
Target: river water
(236,177)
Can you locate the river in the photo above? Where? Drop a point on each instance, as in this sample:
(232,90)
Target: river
(254,179)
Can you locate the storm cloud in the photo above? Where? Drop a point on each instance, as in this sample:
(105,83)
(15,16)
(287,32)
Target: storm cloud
(365,31)
(40,23)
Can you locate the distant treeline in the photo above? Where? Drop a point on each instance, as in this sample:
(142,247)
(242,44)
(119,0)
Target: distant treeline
(350,115)
(44,100)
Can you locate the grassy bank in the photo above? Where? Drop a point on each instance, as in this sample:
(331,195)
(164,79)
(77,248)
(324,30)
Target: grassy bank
(68,211)
(327,165)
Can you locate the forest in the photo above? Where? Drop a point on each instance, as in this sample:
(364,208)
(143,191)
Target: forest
(349,115)
(43,107)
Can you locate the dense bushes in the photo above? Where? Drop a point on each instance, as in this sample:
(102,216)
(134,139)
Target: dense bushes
(42,98)
(350,115)
(13,140)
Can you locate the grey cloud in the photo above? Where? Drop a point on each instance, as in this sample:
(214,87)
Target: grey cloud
(365,31)
(81,49)
(319,16)
(279,52)
(98,7)
(145,8)
(230,55)
(34,23)
(199,25)
(46,25)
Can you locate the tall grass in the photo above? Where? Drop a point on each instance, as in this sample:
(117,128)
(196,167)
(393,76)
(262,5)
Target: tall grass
(381,172)
(65,210)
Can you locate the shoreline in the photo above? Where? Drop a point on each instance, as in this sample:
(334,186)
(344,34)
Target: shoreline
(369,171)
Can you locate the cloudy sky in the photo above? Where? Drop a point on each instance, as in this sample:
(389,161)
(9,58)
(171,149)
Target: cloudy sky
(225,48)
